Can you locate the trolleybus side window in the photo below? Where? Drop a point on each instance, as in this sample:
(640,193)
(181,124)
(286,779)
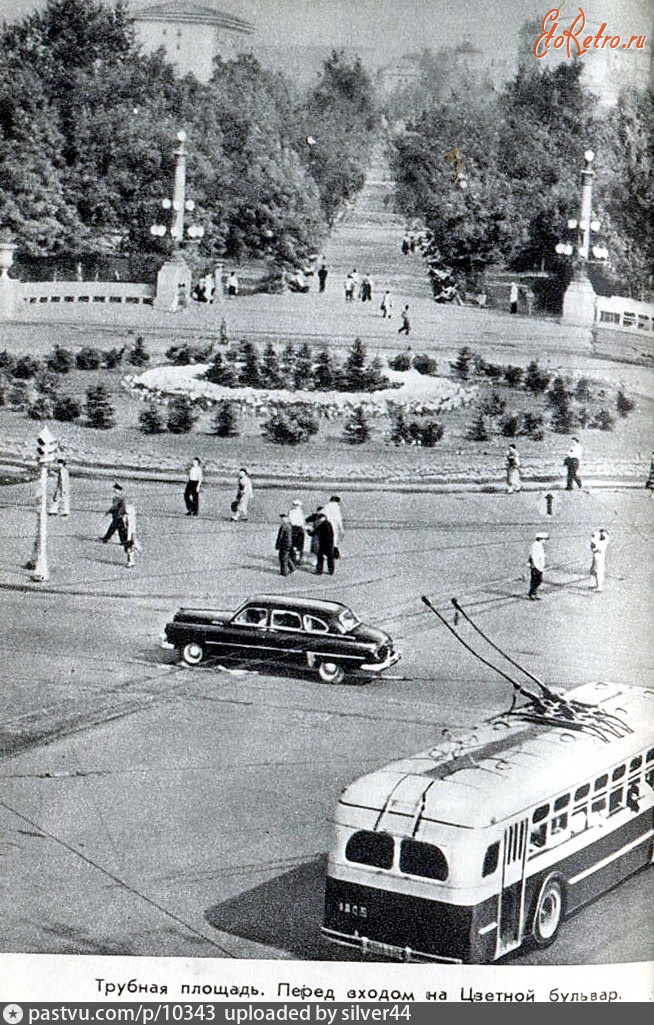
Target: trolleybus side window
(491,859)
(649,773)
(560,820)
(375,849)
(423,859)
(599,793)
(538,834)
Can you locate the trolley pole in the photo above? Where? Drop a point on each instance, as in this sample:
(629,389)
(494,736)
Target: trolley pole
(46,446)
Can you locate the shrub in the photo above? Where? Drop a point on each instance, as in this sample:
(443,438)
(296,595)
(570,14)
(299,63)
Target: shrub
(46,383)
(431,433)
(181,417)
(494,405)
(510,425)
(303,366)
(563,420)
(221,372)
(478,430)
(493,370)
(424,364)
(25,367)
(61,361)
(583,391)
(558,396)
(357,428)
(250,374)
(184,354)
(290,426)
(271,376)
(112,358)
(513,376)
(20,395)
(400,433)
(624,404)
(225,421)
(536,380)
(138,355)
(99,411)
(462,366)
(324,371)
(88,359)
(603,420)
(400,362)
(6,360)
(151,420)
(533,426)
(41,409)
(66,409)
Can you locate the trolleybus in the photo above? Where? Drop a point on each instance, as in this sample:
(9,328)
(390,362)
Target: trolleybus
(465,851)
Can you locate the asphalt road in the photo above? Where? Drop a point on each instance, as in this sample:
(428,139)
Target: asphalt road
(152,809)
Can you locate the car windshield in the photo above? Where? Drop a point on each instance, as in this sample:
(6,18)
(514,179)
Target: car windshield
(347,621)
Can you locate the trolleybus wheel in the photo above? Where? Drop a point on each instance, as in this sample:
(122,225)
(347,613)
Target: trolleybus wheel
(549,912)
(193,653)
(330,672)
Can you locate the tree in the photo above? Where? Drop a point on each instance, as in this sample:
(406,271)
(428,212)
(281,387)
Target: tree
(357,429)
(225,421)
(138,355)
(271,376)
(220,371)
(66,409)
(462,366)
(478,430)
(290,426)
(181,417)
(151,420)
(250,375)
(324,371)
(536,380)
(99,411)
(303,367)
(61,361)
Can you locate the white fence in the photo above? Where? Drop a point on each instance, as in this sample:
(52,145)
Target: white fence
(620,314)
(84,292)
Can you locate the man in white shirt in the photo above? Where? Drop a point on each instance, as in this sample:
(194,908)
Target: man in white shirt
(572,461)
(332,510)
(192,489)
(536,565)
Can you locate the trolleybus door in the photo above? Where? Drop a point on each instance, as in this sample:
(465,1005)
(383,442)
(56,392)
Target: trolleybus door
(511,903)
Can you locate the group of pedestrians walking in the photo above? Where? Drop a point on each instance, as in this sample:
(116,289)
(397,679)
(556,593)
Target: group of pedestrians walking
(572,463)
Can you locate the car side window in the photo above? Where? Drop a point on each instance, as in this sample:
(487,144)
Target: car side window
(286,620)
(251,617)
(314,625)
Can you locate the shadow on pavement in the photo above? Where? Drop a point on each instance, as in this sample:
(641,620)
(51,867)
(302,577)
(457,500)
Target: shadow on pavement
(286,912)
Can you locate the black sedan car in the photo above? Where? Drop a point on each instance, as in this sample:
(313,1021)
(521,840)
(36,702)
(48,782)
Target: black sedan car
(321,635)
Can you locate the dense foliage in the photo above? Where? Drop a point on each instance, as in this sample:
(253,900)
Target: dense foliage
(495,178)
(88,126)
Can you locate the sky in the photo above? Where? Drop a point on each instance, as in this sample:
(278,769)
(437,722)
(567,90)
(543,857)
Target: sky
(401,26)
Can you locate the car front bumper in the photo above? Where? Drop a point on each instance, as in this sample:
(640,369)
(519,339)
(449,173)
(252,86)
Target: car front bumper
(378,667)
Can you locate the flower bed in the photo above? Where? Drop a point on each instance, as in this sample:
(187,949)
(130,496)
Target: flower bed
(417,394)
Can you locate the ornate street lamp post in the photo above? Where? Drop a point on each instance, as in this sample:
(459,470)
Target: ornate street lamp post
(175,272)
(579,299)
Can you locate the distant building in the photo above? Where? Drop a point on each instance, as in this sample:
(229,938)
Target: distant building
(192,34)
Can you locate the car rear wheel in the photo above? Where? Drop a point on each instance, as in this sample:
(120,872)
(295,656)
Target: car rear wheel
(549,912)
(330,672)
(193,653)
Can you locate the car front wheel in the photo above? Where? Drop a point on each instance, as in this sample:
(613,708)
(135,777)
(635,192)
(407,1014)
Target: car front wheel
(193,653)
(330,672)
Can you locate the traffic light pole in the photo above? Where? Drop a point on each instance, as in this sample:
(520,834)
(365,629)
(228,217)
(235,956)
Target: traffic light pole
(40,571)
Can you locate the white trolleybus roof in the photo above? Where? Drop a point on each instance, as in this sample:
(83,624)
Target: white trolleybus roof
(512,762)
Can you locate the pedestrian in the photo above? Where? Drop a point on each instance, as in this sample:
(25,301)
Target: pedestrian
(405,328)
(323,533)
(349,288)
(298,529)
(572,462)
(332,510)
(131,545)
(356,279)
(513,482)
(180,299)
(60,504)
(284,546)
(117,511)
(232,284)
(513,297)
(322,277)
(536,565)
(192,489)
(406,245)
(649,483)
(386,304)
(366,289)
(209,287)
(598,544)
(244,492)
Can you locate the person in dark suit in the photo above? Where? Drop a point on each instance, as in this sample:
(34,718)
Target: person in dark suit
(324,535)
(118,514)
(284,546)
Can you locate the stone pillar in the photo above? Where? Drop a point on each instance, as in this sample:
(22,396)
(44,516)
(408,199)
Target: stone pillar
(579,303)
(175,272)
(8,286)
